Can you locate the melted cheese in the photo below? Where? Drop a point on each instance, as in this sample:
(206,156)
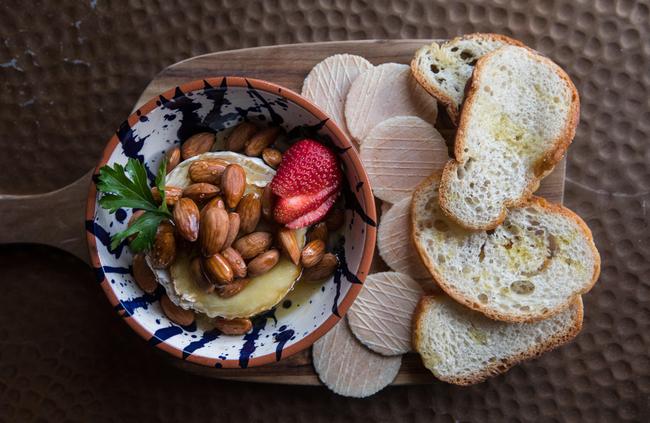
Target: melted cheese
(264,291)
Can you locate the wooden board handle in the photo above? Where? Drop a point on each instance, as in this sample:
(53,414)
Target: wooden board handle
(54,218)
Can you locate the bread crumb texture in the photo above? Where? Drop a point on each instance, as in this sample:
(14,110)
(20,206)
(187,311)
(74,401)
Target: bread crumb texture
(529,267)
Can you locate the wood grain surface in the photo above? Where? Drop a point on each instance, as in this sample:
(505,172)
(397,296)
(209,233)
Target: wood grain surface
(55,218)
(288,65)
(23,220)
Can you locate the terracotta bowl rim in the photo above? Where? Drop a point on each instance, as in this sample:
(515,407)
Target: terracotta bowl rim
(341,139)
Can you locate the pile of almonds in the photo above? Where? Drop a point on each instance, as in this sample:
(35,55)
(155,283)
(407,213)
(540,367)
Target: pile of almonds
(220,226)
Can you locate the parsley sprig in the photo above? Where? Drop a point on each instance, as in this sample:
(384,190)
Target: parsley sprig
(127,186)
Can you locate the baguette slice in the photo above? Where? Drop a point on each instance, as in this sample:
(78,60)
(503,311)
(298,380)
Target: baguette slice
(464,347)
(530,268)
(444,69)
(519,118)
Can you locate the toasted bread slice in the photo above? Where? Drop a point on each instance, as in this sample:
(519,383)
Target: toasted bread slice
(531,267)
(519,118)
(444,69)
(464,347)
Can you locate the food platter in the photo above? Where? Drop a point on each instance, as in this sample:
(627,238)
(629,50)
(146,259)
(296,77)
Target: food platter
(284,65)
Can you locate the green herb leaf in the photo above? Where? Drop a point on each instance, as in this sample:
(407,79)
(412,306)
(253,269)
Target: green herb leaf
(138,175)
(145,228)
(128,187)
(160,183)
(120,191)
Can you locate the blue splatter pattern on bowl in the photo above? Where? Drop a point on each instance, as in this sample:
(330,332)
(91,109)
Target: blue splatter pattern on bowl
(308,311)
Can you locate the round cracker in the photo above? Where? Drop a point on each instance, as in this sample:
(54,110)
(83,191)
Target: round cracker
(394,242)
(382,92)
(401,152)
(328,83)
(350,369)
(381,315)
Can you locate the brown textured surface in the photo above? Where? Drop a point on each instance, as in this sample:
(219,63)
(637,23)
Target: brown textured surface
(77,72)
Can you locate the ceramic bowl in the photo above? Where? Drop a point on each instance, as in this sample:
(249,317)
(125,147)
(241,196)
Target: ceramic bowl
(308,312)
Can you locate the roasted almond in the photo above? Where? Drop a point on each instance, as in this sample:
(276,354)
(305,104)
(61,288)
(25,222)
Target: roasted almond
(318,231)
(163,251)
(272,157)
(236,326)
(233,184)
(250,211)
(233,229)
(232,289)
(134,217)
(267,203)
(289,244)
(324,269)
(335,219)
(175,313)
(263,263)
(251,245)
(238,138)
(209,170)
(201,191)
(197,144)
(199,277)
(172,194)
(186,219)
(155,193)
(143,274)
(312,253)
(137,214)
(214,202)
(217,269)
(236,262)
(173,158)
(261,140)
(213,230)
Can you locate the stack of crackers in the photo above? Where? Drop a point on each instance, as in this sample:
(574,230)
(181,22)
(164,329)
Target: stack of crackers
(391,119)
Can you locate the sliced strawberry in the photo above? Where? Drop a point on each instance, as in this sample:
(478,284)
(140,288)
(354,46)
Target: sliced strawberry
(313,216)
(291,208)
(308,167)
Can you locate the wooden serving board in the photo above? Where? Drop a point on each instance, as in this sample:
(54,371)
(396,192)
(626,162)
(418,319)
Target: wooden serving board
(286,65)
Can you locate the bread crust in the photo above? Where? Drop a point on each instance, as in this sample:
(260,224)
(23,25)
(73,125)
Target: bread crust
(453,109)
(417,321)
(540,169)
(450,290)
(507,363)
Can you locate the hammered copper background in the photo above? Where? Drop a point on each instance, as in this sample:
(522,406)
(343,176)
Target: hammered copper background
(70,71)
